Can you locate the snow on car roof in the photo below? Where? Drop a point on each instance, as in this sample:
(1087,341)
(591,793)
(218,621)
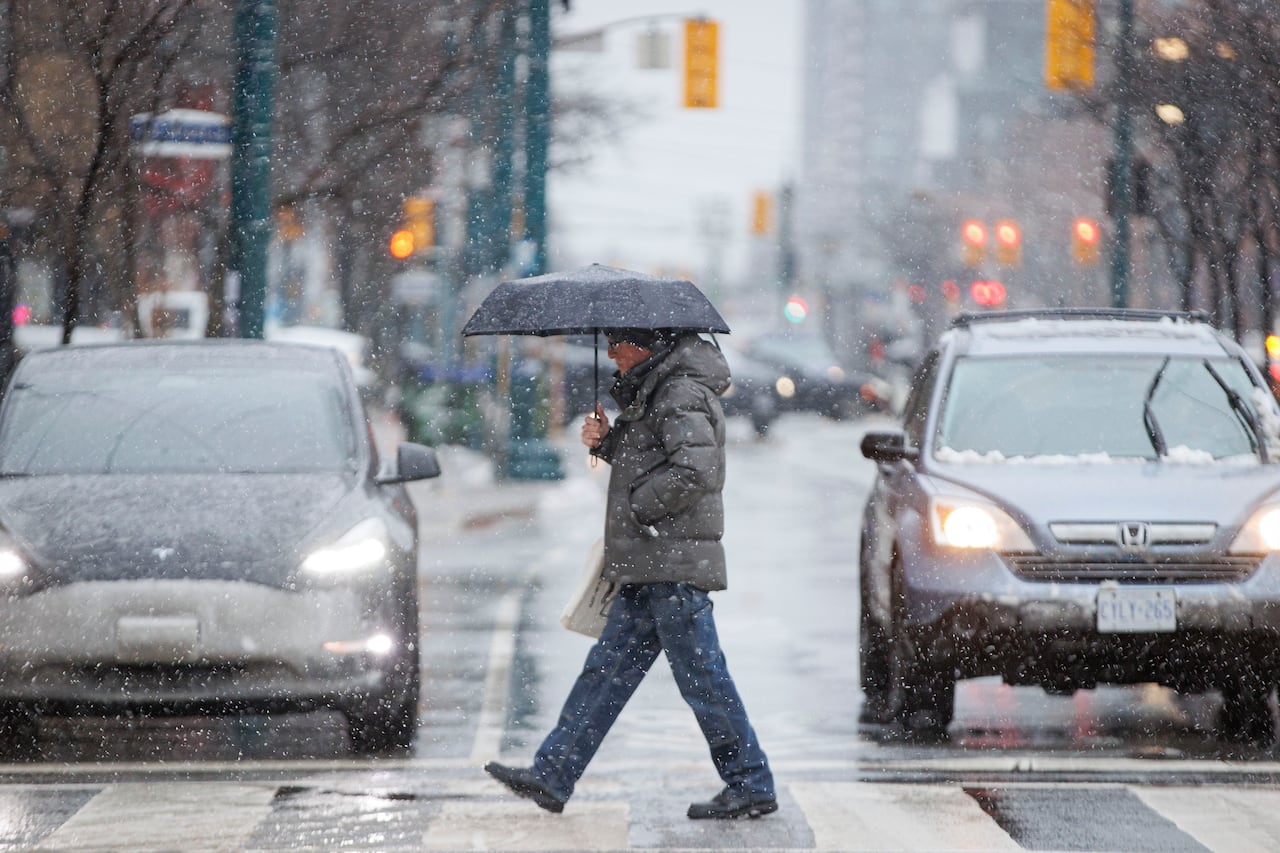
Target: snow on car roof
(1060,336)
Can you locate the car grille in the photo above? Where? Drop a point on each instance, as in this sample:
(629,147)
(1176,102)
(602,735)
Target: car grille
(1223,570)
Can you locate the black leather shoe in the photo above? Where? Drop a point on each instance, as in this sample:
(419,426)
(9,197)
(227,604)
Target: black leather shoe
(729,804)
(522,781)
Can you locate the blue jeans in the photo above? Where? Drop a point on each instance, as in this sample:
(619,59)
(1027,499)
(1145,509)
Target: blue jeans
(646,619)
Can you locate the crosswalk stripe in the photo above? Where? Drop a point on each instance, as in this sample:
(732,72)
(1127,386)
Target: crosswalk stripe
(522,826)
(156,817)
(891,818)
(1228,820)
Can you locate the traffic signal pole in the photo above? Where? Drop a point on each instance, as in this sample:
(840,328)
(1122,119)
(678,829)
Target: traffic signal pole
(1122,168)
(252,112)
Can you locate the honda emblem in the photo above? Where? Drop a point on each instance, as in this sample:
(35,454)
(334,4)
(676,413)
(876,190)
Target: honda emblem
(1135,535)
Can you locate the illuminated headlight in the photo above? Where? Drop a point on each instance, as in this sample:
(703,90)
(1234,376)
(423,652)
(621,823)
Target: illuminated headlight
(1260,533)
(786,387)
(362,547)
(960,523)
(12,566)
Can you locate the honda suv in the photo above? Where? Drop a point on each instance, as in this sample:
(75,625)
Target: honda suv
(1077,497)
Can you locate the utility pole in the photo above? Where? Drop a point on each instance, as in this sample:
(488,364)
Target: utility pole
(537,133)
(252,113)
(1122,168)
(529,456)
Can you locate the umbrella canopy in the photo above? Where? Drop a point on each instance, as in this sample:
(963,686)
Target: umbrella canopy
(590,299)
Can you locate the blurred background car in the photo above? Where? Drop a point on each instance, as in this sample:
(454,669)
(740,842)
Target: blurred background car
(809,377)
(204,526)
(353,347)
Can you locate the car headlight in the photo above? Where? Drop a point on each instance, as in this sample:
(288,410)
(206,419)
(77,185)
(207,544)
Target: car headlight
(1261,533)
(786,387)
(12,566)
(362,547)
(961,523)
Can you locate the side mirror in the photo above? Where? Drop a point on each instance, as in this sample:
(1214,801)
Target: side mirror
(887,447)
(413,462)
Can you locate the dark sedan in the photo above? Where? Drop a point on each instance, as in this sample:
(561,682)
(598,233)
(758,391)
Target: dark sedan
(204,526)
(809,378)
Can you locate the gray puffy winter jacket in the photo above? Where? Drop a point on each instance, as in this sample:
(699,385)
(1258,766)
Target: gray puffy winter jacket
(665,515)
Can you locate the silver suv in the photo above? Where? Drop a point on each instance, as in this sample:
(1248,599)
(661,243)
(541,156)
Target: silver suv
(1077,497)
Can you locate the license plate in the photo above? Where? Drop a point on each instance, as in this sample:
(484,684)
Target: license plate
(1128,610)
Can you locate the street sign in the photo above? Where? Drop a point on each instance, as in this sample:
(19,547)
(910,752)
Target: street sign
(194,134)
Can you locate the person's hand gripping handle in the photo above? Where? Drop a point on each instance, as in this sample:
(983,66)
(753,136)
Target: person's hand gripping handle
(595,427)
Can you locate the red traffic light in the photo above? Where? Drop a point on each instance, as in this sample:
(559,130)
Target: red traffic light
(1085,230)
(1008,234)
(974,232)
(988,294)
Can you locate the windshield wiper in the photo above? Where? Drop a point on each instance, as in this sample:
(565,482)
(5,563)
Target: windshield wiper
(1242,411)
(1149,415)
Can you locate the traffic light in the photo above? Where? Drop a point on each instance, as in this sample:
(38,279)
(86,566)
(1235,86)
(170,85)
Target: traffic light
(1070,27)
(420,221)
(701,63)
(796,310)
(1008,243)
(973,237)
(401,244)
(761,214)
(1086,250)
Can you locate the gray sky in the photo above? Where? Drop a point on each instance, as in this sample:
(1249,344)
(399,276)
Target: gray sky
(642,201)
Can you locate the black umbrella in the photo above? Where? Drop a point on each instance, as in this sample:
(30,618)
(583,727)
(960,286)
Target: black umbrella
(590,300)
(593,299)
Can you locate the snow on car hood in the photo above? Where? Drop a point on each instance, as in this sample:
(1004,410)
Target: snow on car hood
(117,527)
(1099,489)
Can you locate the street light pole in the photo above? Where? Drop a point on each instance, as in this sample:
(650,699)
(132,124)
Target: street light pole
(1121,168)
(252,113)
(537,133)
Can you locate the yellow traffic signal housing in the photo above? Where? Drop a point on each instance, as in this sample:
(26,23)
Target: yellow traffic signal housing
(1008,243)
(761,214)
(973,242)
(1086,240)
(420,221)
(1070,32)
(701,63)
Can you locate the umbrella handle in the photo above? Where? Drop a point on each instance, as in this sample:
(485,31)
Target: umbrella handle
(595,385)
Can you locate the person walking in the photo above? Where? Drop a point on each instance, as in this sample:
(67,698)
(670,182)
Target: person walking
(663,525)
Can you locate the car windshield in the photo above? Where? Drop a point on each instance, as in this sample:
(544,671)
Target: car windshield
(169,420)
(1101,405)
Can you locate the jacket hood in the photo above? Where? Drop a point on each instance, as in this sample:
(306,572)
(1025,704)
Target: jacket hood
(691,357)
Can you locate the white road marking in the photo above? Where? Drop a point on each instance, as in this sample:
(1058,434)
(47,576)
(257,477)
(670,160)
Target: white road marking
(887,818)
(497,682)
(166,816)
(523,826)
(1230,820)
